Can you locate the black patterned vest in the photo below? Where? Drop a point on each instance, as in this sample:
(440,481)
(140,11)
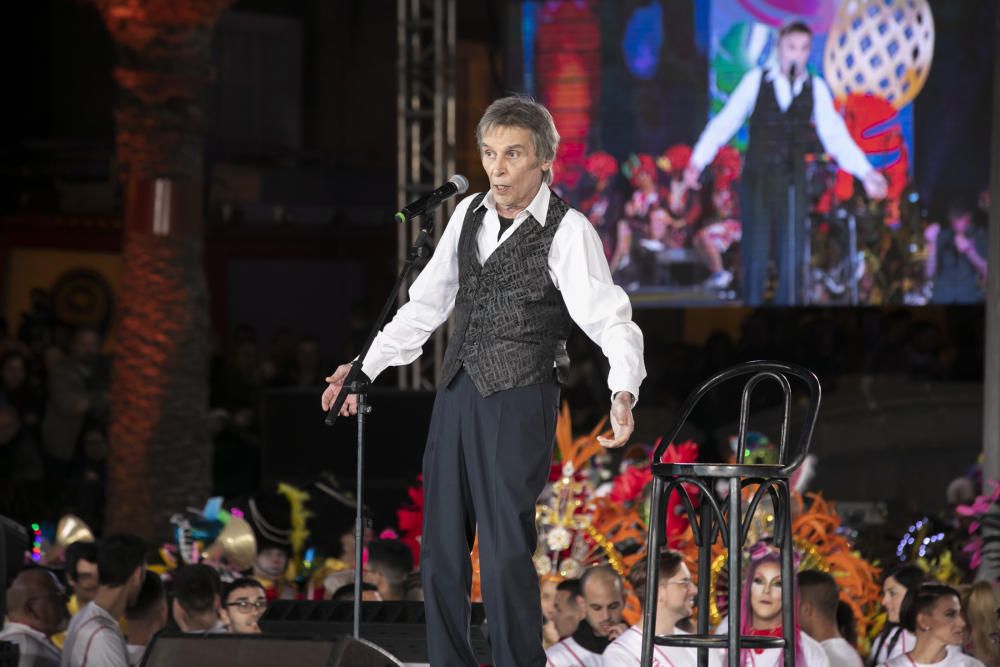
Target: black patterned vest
(779,139)
(511,323)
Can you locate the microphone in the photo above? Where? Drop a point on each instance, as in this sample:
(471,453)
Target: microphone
(455,186)
(792,71)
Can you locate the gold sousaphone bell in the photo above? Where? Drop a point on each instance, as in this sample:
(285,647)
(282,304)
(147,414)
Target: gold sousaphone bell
(70,529)
(237,543)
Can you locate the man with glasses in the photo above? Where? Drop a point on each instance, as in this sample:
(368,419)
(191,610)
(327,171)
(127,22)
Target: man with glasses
(243,603)
(675,596)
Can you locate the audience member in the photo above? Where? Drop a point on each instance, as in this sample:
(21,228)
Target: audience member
(567,608)
(94,636)
(980,604)
(389,564)
(760,613)
(243,603)
(819,597)
(146,616)
(894,639)
(933,614)
(36,610)
(81,573)
(196,593)
(675,595)
(604,602)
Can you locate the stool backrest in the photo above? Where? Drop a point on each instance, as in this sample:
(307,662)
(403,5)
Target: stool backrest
(760,371)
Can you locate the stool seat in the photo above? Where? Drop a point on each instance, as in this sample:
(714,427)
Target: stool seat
(720,470)
(717,641)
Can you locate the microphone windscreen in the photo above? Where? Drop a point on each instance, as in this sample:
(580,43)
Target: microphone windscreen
(461,183)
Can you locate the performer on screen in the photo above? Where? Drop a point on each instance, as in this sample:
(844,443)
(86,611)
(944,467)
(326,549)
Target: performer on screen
(518,267)
(787,109)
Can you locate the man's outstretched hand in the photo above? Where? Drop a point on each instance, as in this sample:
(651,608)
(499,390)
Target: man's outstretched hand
(622,423)
(336,383)
(875,184)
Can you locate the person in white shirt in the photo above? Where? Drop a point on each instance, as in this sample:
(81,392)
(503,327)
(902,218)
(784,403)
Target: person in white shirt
(146,617)
(760,614)
(95,636)
(196,603)
(933,613)
(567,608)
(782,103)
(36,610)
(603,604)
(894,639)
(819,597)
(675,596)
(518,267)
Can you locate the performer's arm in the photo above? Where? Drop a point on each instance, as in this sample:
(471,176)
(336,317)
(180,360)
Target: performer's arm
(431,299)
(725,124)
(837,141)
(599,307)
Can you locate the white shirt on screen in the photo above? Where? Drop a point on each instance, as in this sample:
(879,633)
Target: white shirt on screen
(830,127)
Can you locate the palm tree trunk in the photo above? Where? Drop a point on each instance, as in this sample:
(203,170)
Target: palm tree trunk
(160,460)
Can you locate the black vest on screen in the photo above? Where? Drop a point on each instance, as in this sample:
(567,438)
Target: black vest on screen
(511,323)
(779,139)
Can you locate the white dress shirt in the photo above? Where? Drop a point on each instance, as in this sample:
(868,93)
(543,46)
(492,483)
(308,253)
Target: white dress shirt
(841,653)
(626,651)
(36,650)
(830,127)
(94,639)
(569,653)
(577,267)
(951,659)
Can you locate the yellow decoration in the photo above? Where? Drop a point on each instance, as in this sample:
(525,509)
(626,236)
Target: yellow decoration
(297,498)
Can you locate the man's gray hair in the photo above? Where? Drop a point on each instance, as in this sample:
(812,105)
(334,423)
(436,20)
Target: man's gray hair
(522,111)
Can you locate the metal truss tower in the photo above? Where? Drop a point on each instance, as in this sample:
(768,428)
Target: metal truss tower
(425,126)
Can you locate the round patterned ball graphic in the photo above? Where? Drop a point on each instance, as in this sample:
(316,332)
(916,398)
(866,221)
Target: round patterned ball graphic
(880,47)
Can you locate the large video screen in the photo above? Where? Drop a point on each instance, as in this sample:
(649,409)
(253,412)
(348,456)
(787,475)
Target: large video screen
(633,85)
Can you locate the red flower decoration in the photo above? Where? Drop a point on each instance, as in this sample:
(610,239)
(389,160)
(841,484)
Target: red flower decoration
(629,485)
(601,165)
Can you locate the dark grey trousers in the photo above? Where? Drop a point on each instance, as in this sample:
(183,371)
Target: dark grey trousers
(769,235)
(486,462)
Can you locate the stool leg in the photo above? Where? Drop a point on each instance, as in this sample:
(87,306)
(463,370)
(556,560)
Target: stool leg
(787,575)
(704,574)
(652,571)
(735,551)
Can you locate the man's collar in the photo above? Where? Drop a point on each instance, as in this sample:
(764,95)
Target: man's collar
(772,72)
(538,208)
(26,629)
(588,639)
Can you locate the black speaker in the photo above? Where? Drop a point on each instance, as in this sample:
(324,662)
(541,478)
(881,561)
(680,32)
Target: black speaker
(397,626)
(10,654)
(171,650)
(13,543)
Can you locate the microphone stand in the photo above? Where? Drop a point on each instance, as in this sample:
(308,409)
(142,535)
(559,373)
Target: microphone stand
(357,383)
(791,239)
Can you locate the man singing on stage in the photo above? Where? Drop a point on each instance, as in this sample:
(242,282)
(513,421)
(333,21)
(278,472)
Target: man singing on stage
(518,266)
(783,103)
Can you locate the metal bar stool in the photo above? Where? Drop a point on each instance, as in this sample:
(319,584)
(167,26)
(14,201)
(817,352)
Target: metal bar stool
(730,521)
